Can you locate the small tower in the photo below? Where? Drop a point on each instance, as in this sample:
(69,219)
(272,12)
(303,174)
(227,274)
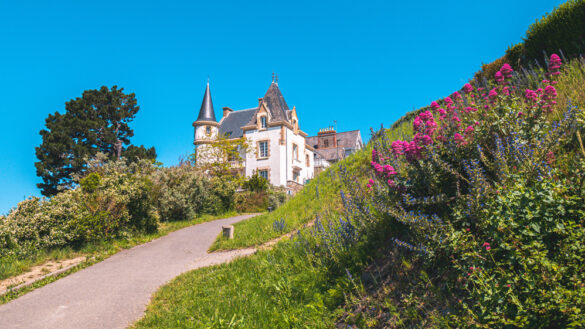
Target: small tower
(206,126)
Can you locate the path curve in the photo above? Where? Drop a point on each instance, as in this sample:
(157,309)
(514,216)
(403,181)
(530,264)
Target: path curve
(114,293)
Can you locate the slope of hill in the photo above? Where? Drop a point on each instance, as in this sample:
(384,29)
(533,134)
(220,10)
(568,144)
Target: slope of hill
(469,213)
(482,227)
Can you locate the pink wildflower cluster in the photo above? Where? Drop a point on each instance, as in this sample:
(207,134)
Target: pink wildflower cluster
(505,73)
(382,170)
(554,65)
(546,98)
(424,126)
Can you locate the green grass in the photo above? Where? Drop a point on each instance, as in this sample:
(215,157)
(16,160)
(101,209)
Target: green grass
(95,251)
(298,211)
(271,289)
(277,288)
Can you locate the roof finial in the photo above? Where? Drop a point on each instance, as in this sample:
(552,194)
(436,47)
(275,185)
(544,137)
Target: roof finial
(276,78)
(272,76)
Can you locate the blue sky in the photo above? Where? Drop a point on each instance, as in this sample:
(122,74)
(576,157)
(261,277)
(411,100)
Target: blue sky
(361,63)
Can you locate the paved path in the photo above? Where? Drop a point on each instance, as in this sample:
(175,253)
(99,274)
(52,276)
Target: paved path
(114,293)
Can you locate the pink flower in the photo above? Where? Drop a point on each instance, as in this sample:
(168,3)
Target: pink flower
(520,114)
(398,147)
(417,124)
(554,64)
(448,100)
(506,71)
(506,91)
(391,183)
(441,111)
(493,94)
(459,139)
(378,167)
(368,186)
(531,95)
(469,130)
(427,140)
(550,92)
(388,168)
(467,88)
(434,105)
(499,77)
(426,116)
(371,181)
(457,95)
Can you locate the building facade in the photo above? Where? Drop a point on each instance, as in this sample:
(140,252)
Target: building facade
(277,146)
(331,146)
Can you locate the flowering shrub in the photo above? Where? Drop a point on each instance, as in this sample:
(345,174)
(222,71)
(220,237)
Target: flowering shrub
(487,193)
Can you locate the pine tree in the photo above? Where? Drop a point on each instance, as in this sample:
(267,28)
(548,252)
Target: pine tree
(96,122)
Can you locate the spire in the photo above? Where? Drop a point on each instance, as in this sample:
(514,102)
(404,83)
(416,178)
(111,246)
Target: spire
(206,112)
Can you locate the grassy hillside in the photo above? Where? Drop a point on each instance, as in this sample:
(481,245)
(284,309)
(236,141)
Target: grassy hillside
(482,228)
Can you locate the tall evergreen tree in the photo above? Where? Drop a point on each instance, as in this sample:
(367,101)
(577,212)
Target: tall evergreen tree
(98,121)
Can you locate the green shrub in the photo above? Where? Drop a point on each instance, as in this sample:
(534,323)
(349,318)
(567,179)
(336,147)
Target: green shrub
(248,201)
(256,183)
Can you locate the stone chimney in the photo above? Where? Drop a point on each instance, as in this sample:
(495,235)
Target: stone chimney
(226,111)
(327,138)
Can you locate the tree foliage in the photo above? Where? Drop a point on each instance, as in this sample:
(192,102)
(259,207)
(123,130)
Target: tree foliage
(222,156)
(98,121)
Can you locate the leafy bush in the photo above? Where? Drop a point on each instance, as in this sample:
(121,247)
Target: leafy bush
(487,199)
(256,183)
(251,201)
(562,30)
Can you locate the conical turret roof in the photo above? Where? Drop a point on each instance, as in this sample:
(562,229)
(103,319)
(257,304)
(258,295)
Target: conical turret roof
(206,112)
(275,102)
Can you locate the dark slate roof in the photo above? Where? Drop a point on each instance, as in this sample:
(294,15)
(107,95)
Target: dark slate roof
(331,154)
(206,112)
(232,124)
(346,139)
(276,103)
(312,141)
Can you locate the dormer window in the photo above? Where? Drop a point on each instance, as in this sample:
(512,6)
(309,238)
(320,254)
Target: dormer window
(263,122)
(208,130)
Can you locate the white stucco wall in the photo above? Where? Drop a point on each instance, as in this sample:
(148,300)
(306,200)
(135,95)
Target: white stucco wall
(280,161)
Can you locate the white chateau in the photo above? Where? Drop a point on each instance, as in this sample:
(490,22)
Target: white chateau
(278,148)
